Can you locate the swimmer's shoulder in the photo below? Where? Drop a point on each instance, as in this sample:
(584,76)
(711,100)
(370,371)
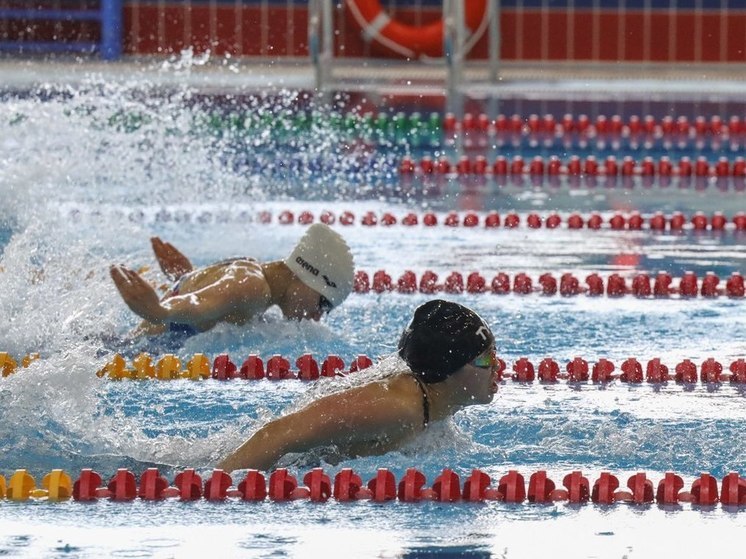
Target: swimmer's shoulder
(250,279)
(402,381)
(239,268)
(245,262)
(239,278)
(399,395)
(373,412)
(220,268)
(371,390)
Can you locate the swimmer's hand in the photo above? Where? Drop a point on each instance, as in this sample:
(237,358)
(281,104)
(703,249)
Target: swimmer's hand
(172,262)
(139,295)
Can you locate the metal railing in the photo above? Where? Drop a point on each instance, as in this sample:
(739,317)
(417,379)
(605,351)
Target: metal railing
(456,42)
(109,16)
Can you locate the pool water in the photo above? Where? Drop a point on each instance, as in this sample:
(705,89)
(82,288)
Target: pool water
(82,193)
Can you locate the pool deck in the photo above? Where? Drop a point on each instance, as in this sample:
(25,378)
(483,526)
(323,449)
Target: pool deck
(721,82)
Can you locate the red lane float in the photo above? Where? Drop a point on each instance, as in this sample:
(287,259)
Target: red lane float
(281,486)
(411,41)
(633,221)
(223,368)
(631,371)
(642,285)
(575,167)
(711,371)
(548,370)
(635,130)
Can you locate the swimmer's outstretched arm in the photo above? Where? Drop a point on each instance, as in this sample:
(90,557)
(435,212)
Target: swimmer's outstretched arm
(355,416)
(172,261)
(240,290)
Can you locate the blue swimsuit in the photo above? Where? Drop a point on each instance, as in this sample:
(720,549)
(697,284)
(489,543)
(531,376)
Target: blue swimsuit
(177,327)
(185,329)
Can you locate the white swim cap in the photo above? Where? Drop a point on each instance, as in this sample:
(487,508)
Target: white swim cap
(323,261)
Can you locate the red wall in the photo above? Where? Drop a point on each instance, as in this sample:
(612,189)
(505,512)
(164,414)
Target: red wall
(656,35)
(527,34)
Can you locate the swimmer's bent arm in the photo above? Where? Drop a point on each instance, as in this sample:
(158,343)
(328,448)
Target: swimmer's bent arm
(355,416)
(239,292)
(172,261)
(245,291)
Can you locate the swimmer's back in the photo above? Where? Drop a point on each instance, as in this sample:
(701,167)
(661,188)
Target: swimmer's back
(208,275)
(238,286)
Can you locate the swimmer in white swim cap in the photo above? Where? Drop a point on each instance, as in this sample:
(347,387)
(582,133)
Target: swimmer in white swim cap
(447,360)
(316,277)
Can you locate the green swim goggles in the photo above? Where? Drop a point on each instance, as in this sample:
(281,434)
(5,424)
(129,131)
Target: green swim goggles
(485,360)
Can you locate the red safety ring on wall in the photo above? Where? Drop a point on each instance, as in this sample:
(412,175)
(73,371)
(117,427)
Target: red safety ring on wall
(412,41)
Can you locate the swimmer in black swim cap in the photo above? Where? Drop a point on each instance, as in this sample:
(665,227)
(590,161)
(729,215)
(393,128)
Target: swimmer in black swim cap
(448,361)
(441,338)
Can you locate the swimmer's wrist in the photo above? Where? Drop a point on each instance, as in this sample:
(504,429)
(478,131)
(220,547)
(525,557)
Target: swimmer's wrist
(161,315)
(174,313)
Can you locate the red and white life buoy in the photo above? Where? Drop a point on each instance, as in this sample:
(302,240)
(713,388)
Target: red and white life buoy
(412,41)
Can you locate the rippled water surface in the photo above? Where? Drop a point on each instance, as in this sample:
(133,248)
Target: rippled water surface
(90,175)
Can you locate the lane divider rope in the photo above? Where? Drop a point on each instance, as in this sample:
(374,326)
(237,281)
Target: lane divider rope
(347,485)
(647,127)
(307,368)
(547,131)
(617,221)
(633,221)
(199,367)
(642,285)
(575,166)
(548,370)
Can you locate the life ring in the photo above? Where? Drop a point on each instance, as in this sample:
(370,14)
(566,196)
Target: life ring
(411,41)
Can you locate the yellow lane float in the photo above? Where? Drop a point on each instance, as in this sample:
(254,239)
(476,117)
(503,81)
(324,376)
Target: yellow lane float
(20,486)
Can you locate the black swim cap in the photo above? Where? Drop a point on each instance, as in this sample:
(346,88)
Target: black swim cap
(443,337)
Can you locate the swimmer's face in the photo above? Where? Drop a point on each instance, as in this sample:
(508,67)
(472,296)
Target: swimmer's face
(479,379)
(302,302)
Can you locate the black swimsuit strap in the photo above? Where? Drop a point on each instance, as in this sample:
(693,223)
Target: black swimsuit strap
(425,401)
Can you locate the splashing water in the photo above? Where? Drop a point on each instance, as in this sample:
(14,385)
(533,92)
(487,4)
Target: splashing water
(68,154)
(90,173)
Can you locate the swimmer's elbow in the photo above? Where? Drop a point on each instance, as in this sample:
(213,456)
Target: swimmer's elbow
(291,433)
(259,452)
